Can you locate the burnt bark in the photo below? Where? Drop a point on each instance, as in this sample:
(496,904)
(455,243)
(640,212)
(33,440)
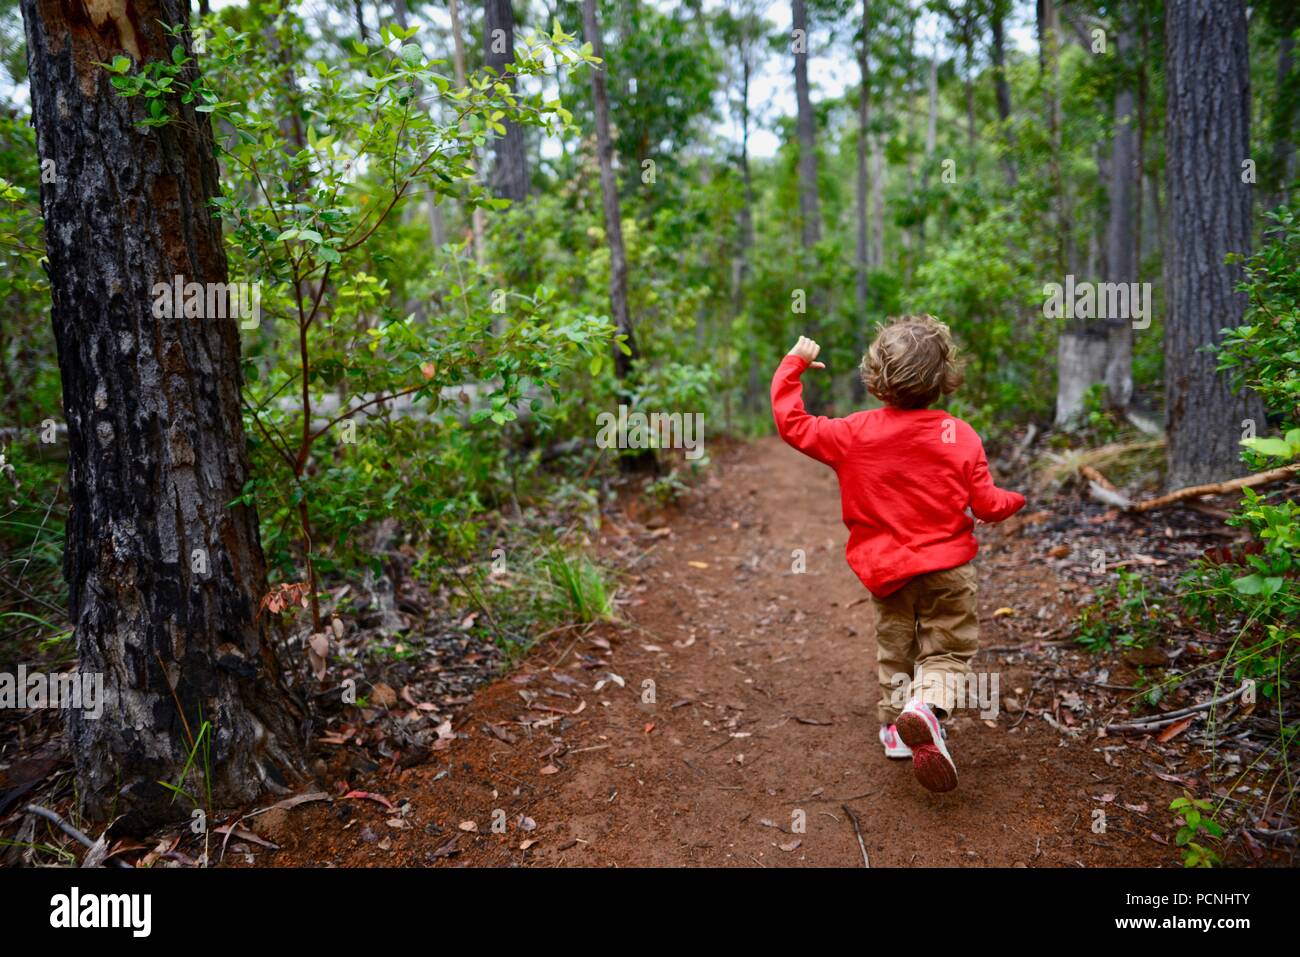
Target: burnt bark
(1207,138)
(164,578)
(509,178)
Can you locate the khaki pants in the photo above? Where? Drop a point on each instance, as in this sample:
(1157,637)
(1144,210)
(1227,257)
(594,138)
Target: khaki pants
(928,631)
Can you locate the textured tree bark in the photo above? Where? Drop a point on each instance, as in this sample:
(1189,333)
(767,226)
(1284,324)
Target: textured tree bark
(510,171)
(609,193)
(164,579)
(810,226)
(1121,234)
(1207,138)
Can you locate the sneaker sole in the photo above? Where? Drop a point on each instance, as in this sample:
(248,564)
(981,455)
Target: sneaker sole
(933,769)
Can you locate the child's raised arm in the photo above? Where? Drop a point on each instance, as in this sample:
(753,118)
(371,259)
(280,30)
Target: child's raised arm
(989,503)
(814,435)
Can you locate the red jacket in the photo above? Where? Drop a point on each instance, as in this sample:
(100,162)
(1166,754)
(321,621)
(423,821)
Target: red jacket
(906,480)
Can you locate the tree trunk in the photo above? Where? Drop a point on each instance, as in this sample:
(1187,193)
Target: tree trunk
(1285,99)
(1080,363)
(510,172)
(359,12)
(1121,235)
(609,193)
(1207,136)
(753,394)
(862,254)
(164,575)
(810,228)
(1002,89)
(863,183)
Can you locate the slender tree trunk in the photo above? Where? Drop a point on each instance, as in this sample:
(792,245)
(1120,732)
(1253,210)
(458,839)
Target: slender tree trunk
(359,11)
(877,202)
(753,393)
(862,260)
(1207,136)
(1121,234)
(1002,90)
(609,193)
(1283,125)
(931,137)
(458,62)
(510,172)
(806,127)
(164,575)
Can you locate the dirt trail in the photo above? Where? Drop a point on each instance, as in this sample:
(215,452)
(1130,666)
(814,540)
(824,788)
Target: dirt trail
(765,692)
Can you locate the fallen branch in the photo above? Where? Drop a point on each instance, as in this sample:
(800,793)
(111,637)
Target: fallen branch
(1103,489)
(68,829)
(1217,488)
(1172,716)
(866,861)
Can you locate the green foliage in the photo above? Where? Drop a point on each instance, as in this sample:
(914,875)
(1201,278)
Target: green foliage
(1122,613)
(1263,353)
(1196,824)
(579,584)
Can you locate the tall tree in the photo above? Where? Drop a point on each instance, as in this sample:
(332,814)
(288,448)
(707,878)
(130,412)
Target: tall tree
(1002,89)
(1121,232)
(164,575)
(609,194)
(863,183)
(1207,139)
(510,172)
(806,128)
(742,29)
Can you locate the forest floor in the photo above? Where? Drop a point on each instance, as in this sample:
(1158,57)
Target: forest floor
(761,728)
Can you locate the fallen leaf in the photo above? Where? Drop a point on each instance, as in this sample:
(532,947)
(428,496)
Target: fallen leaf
(370,796)
(1175,729)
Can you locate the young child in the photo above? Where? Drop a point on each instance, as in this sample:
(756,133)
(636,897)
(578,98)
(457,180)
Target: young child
(910,479)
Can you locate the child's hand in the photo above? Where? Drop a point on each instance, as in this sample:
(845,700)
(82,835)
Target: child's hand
(805,348)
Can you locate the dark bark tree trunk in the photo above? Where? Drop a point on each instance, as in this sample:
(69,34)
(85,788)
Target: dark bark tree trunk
(863,183)
(1282,127)
(810,228)
(1001,88)
(359,11)
(510,171)
(609,193)
(1207,136)
(862,255)
(164,577)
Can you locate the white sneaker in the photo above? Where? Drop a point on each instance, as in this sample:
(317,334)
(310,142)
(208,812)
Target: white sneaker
(894,746)
(931,763)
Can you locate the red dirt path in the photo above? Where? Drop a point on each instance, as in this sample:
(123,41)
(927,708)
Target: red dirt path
(764,686)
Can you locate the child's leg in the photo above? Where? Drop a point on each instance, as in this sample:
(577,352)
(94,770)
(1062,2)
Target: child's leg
(947,636)
(896,651)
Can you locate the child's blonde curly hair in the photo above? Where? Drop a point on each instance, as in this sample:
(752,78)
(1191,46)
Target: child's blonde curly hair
(912,363)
